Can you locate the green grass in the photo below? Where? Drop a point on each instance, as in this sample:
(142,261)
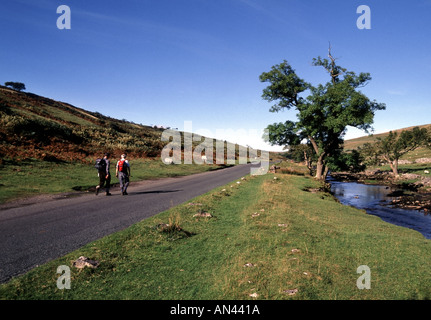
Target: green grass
(357,142)
(417,154)
(412,156)
(415,168)
(34,177)
(292,239)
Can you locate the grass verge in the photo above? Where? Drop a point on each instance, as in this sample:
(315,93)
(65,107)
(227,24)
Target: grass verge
(33,177)
(267,238)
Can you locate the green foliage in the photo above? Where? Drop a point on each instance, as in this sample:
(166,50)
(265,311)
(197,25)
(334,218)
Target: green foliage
(37,128)
(324,111)
(32,126)
(347,161)
(392,147)
(283,134)
(369,153)
(284,88)
(19,86)
(301,152)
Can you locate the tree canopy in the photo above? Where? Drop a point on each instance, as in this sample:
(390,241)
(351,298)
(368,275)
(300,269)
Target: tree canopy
(324,111)
(19,86)
(393,146)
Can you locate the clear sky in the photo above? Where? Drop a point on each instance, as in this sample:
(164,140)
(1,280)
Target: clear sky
(164,62)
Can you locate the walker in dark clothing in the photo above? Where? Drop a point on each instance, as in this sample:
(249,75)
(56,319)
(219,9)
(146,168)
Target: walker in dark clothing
(104,177)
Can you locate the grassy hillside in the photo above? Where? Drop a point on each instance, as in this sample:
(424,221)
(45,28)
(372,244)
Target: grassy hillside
(32,126)
(419,153)
(35,127)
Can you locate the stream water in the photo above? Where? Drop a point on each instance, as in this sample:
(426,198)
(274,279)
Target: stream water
(372,198)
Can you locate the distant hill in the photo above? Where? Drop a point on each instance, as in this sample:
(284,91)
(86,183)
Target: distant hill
(357,142)
(33,126)
(353,144)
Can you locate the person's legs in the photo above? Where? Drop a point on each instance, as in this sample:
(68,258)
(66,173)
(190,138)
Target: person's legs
(101,183)
(121,179)
(126,183)
(108,185)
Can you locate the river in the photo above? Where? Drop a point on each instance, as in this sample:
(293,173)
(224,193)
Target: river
(372,198)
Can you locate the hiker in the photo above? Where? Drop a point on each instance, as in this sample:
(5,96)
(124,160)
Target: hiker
(104,175)
(122,171)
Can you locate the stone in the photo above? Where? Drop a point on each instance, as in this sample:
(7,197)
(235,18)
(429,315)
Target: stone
(423,160)
(410,176)
(291,292)
(83,262)
(195,204)
(203,214)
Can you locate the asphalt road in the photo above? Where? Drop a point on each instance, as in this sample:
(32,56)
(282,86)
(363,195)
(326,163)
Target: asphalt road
(45,228)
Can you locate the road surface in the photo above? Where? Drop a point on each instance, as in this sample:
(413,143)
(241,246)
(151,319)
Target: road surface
(49,227)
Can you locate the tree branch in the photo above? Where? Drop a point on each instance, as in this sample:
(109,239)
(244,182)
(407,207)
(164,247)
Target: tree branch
(314,144)
(333,65)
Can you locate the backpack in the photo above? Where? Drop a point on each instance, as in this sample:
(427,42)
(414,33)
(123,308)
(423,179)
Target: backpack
(122,166)
(100,164)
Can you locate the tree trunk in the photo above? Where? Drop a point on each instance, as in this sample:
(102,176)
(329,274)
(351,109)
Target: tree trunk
(394,166)
(307,163)
(325,173)
(320,168)
(320,165)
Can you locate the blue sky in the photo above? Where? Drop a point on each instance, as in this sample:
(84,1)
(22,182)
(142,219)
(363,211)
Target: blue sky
(164,62)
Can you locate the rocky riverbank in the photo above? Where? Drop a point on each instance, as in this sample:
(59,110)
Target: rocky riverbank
(415,201)
(411,191)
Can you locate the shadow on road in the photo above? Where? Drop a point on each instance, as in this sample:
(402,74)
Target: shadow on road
(156,191)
